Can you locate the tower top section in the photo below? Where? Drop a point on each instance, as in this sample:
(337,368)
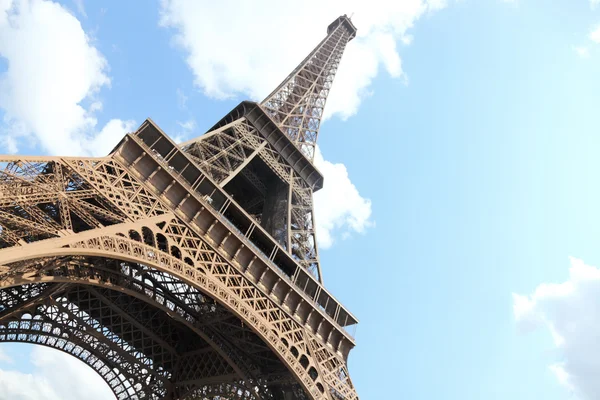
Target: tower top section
(348,24)
(296,105)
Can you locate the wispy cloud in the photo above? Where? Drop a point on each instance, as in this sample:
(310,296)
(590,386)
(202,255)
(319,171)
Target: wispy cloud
(290,33)
(569,311)
(188,125)
(582,51)
(80,7)
(181,99)
(5,357)
(595,34)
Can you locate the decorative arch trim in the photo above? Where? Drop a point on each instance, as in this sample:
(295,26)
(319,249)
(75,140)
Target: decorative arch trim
(108,243)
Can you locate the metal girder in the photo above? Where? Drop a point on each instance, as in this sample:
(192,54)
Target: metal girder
(129,264)
(204,370)
(198,251)
(298,216)
(225,153)
(54,321)
(296,105)
(141,204)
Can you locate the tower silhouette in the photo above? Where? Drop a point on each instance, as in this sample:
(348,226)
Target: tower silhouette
(185,271)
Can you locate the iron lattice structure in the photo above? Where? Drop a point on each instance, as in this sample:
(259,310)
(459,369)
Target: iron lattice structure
(185,271)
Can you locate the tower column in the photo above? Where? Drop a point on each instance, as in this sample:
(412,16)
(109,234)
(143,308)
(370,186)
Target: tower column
(275,210)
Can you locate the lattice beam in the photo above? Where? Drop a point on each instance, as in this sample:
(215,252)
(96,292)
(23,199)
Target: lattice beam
(297,104)
(226,279)
(145,265)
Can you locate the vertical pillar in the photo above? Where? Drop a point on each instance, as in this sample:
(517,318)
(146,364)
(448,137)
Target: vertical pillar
(274,216)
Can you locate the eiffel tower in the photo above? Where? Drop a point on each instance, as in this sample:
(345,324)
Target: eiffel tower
(185,271)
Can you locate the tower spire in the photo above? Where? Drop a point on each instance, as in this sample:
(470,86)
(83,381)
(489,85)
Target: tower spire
(297,104)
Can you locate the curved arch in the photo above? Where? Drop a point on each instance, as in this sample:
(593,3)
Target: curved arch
(111,378)
(135,235)
(148,236)
(121,387)
(40,330)
(144,290)
(162,243)
(126,249)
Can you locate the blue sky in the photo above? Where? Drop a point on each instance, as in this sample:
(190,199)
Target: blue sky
(473,163)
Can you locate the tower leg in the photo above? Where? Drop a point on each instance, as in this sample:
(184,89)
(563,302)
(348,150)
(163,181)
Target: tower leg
(274,218)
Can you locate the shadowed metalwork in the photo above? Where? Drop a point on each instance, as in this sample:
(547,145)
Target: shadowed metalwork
(185,271)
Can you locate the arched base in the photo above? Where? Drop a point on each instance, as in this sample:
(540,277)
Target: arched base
(85,289)
(141,233)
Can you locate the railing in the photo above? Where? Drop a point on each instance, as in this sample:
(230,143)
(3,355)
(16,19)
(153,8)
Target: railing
(165,151)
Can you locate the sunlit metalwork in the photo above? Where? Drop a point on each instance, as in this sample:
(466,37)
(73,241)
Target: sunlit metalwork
(185,271)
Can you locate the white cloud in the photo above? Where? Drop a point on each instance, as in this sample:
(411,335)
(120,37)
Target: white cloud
(52,70)
(9,143)
(594,3)
(571,312)
(109,137)
(73,380)
(251,55)
(595,34)
(4,357)
(582,51)
(264,40)
(339,207)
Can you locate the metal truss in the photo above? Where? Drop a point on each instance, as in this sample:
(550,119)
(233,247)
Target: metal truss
(179,272)
(130,301)
(224,153)
(297,104)
(159,240)
(228,152)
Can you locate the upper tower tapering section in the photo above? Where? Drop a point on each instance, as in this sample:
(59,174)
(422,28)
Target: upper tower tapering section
(297,104)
